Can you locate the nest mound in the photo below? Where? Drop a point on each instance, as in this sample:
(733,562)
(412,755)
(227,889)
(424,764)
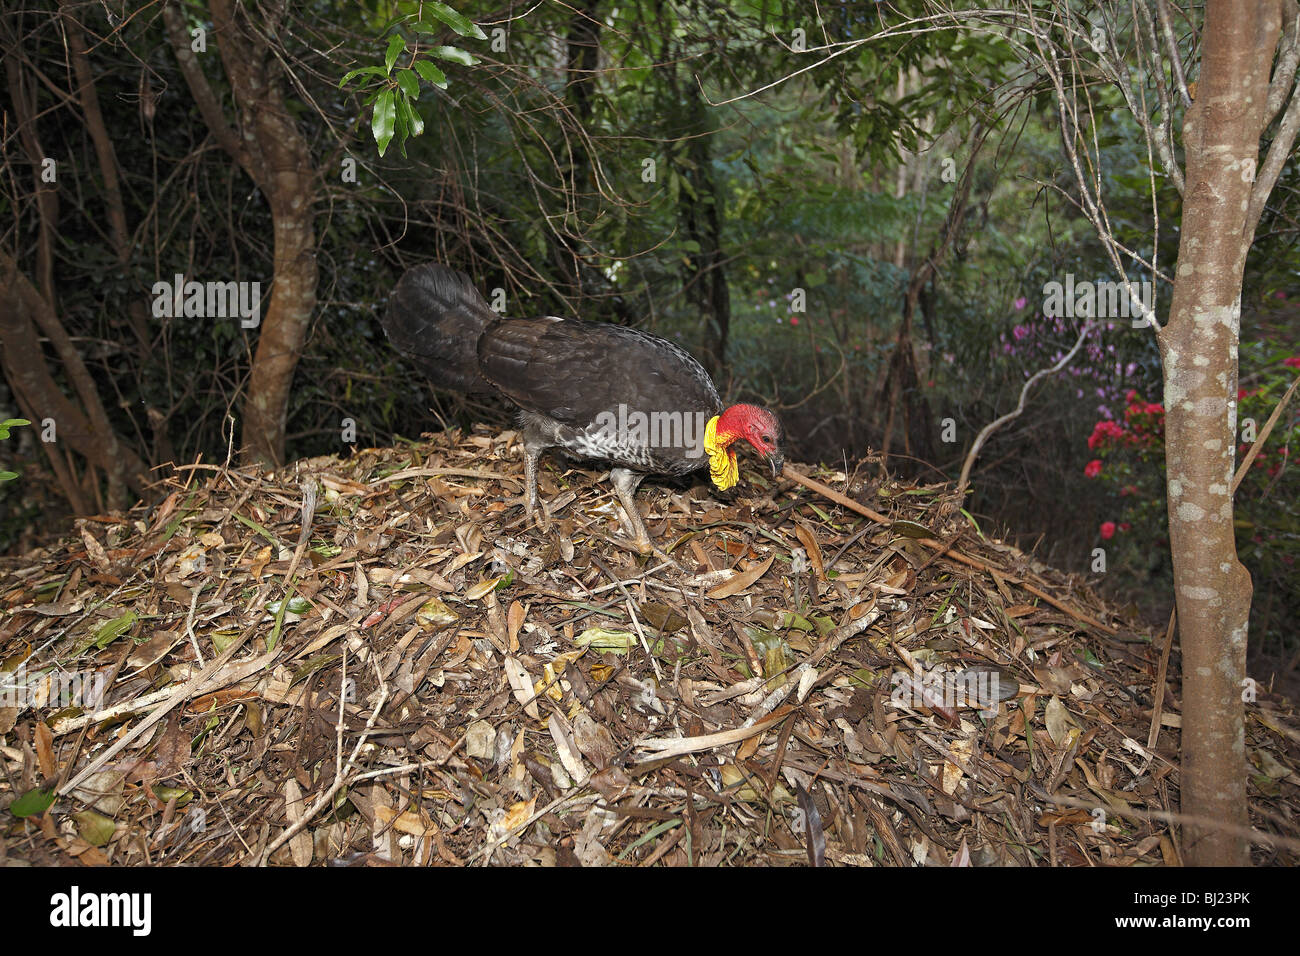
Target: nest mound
(380,660)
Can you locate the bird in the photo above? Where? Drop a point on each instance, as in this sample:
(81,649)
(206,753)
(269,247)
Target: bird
(595,390)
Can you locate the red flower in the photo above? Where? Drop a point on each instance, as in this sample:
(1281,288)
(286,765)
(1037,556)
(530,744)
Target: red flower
(1108,530)
(794,320)
(1293,361)
(1103,432)
(1124,526)
(1131,396)
(1093,468)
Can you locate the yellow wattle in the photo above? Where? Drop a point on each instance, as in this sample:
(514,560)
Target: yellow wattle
(723,470)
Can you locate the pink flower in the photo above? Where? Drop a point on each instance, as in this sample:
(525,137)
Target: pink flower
(1107,530)
(794,320)
(1020,303)
(1093,468)
(1293,361)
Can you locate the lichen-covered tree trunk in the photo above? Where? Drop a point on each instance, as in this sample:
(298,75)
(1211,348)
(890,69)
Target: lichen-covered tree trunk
(1199,349)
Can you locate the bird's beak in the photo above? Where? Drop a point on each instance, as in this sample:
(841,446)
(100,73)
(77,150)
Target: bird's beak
(777,461)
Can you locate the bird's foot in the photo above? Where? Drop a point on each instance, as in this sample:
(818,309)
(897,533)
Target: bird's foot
(538,517)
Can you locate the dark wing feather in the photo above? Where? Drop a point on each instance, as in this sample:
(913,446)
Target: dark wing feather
(571,370)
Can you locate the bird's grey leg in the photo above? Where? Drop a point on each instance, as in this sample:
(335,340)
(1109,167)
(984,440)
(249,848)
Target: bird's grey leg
(625,483)
(530,481)
(537,514)
(534,445)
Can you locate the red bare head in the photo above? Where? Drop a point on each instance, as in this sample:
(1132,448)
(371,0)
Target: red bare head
(757,426)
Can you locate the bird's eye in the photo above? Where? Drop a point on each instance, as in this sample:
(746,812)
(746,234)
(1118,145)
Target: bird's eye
(767,439)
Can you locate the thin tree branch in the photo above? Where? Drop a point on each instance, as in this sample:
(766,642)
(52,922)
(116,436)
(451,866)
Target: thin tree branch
(997,423)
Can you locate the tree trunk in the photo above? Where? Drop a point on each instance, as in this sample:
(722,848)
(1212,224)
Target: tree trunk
(30,309)
(1198,346)
(24,315)
(119,234)
(274,154)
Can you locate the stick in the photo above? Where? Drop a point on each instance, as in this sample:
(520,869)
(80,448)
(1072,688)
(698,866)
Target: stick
(1016,412)
(951,555)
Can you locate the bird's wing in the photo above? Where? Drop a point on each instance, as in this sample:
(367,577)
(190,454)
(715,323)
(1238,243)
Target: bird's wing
(571,370)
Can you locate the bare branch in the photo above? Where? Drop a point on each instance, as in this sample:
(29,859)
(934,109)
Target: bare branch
(1171,45)
(1070,132)
(1279,151)
(1164,131)
(1287,60)
(204,98)
(997,423)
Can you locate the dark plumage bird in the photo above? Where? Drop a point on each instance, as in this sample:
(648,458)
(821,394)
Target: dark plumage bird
(598,391)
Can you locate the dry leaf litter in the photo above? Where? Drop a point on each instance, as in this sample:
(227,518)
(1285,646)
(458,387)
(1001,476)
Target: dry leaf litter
(382,661)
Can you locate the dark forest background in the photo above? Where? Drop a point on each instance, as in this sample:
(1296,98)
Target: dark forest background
(864,246)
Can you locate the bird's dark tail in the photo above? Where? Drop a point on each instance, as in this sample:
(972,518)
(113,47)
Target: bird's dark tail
(435,317)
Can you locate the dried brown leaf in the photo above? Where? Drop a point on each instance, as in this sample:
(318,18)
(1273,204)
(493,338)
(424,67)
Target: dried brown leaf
(741,581)
(44,740)
(809,542)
